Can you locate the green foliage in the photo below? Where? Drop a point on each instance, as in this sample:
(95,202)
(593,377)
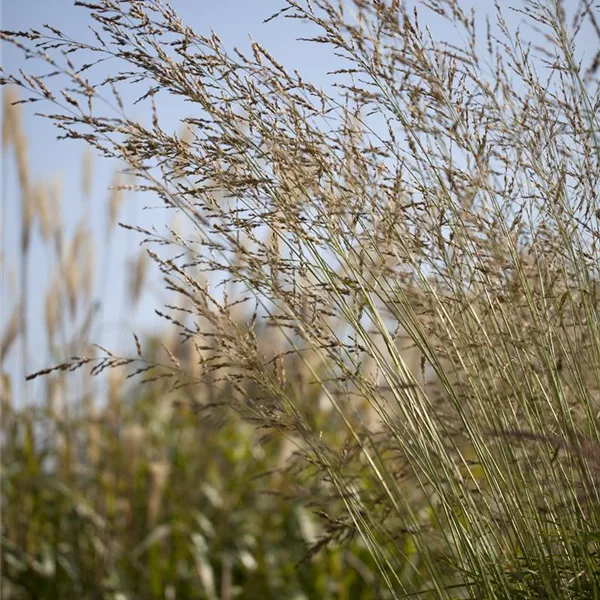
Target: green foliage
(159,504)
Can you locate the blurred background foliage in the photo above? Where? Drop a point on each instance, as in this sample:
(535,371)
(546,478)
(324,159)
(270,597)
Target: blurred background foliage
(115,489)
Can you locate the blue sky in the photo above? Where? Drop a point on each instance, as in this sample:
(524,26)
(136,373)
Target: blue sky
(233,20)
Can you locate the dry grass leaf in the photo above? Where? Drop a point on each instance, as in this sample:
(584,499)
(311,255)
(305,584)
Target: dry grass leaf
(10,332)
(159,476)
(55,206)
(43,210)
(5,395)
(88,263)
(19,143)
(72,276)
(10,116)
(57,400)
(177,226)
(137,276)
(115,200)
(134,439)
(95,447)
(187,134)
(116,392)
(53,308)
(10,280)
(75,264)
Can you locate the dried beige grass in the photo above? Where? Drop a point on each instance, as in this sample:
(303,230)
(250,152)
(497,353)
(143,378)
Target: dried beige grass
(72,277)
(10,332)
(9,96)
(15,137)
(53,304)
(6,399)
(159,477)
(95,446)
(134,439)
(57,400)
(115,200)
(116,392)
(55,209)
(43,210)
(88,264)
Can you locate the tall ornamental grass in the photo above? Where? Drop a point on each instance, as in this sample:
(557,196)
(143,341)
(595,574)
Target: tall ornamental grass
(423,242)
(112,489)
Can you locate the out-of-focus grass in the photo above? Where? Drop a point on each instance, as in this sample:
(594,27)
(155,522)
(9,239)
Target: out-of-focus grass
(158,503)
(118,492)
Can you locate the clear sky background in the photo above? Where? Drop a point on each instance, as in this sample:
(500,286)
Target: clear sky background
(233,20)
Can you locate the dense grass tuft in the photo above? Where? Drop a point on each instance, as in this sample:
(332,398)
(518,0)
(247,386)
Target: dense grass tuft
(401,279)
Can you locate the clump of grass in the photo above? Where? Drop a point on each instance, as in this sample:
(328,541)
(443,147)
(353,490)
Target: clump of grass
(444,205)
(127,491)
